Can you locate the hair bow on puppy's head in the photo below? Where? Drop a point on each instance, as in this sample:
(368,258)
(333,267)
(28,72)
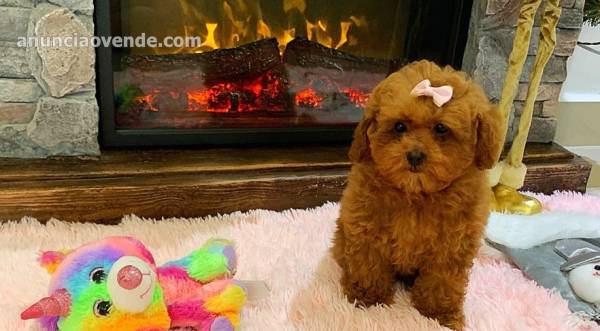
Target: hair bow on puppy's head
(440,95)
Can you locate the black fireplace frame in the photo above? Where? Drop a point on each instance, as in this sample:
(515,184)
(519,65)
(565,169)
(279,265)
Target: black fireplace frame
(459,11)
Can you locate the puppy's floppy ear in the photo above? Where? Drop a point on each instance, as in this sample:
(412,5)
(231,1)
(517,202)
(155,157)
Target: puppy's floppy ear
(360,151)
(489,137)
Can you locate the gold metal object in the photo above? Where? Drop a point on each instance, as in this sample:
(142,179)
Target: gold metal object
(509,200)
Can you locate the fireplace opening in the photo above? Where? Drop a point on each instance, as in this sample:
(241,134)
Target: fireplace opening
(265,71)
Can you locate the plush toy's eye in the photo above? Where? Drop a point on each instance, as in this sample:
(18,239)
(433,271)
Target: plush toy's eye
(102,308)
(597,267)
(440,129)
(98,275)
(400,127)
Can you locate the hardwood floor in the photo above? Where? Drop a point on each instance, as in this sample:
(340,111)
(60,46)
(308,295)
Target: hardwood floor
(186,183)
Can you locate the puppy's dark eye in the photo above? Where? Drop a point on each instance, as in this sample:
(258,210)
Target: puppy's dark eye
(98,275)
(597,267)
(440,129)
(400,127)
(102,308)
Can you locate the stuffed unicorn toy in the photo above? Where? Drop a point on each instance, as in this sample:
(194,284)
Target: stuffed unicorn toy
(114,284)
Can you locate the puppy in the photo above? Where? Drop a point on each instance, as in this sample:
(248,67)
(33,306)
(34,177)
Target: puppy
(417,199)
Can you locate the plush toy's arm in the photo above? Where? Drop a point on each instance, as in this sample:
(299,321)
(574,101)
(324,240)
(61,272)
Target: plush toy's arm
(216,259)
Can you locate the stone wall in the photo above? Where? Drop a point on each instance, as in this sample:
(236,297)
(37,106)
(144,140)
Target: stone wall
(491,35)
(47,95)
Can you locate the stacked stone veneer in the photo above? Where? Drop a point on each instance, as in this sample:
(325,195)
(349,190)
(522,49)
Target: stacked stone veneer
(493,25)
(47,95)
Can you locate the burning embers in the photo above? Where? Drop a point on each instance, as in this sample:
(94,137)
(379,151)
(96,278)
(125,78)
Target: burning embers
(309,85)
(262,93)
(309,98)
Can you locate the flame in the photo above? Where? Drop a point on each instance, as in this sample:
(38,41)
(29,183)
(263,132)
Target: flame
(263,29)
(309,30)
(239,22)
(288,5)
(209,41)
(231,23)
(345,27)
(192,13)
(238,27)
(288,35)
(359,21)
(318,32)
(283,38)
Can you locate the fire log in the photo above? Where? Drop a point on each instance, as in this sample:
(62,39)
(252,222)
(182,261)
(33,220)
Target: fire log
(249,78)
(323,78)
(227,64)
(305,53)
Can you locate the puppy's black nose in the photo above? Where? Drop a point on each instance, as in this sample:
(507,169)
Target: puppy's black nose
(416,158)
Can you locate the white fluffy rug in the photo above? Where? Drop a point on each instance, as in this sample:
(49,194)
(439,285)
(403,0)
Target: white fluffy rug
(565,215)
(527,231)
(290,251)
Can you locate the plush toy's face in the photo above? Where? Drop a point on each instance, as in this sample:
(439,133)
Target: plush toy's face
(585,281)
(105,285)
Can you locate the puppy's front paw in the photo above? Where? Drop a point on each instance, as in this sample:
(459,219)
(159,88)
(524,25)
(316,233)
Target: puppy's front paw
(366,297)
(450,318)
(454,321)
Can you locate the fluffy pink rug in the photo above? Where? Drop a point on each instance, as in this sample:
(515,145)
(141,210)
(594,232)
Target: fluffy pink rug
(290,251)
(571,202)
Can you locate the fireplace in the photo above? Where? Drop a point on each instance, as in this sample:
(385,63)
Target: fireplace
(265,71)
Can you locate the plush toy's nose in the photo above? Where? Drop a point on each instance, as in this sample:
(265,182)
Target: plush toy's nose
(129,277)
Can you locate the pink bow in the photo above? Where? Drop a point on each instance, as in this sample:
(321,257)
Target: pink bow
(440,95)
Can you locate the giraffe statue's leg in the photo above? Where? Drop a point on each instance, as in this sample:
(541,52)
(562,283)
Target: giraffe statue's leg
(512,174)
(516,61)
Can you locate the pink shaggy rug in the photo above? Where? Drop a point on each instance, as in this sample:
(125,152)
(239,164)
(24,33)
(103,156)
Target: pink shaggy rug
(571,202)
(290,251)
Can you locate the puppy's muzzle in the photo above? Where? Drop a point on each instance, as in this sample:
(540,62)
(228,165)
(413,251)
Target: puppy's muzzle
(415,159)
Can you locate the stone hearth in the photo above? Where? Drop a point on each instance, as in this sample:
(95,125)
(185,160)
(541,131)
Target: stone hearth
(47,95)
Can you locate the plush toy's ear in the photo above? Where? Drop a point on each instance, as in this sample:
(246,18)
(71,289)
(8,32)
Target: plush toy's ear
(489,138)
(51,259)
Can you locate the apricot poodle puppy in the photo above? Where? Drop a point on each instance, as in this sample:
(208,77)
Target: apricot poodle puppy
(417,200)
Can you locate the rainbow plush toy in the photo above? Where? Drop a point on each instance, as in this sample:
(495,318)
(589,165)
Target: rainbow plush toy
(114,284)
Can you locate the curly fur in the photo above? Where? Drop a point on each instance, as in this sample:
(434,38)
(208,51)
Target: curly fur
(420,224)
